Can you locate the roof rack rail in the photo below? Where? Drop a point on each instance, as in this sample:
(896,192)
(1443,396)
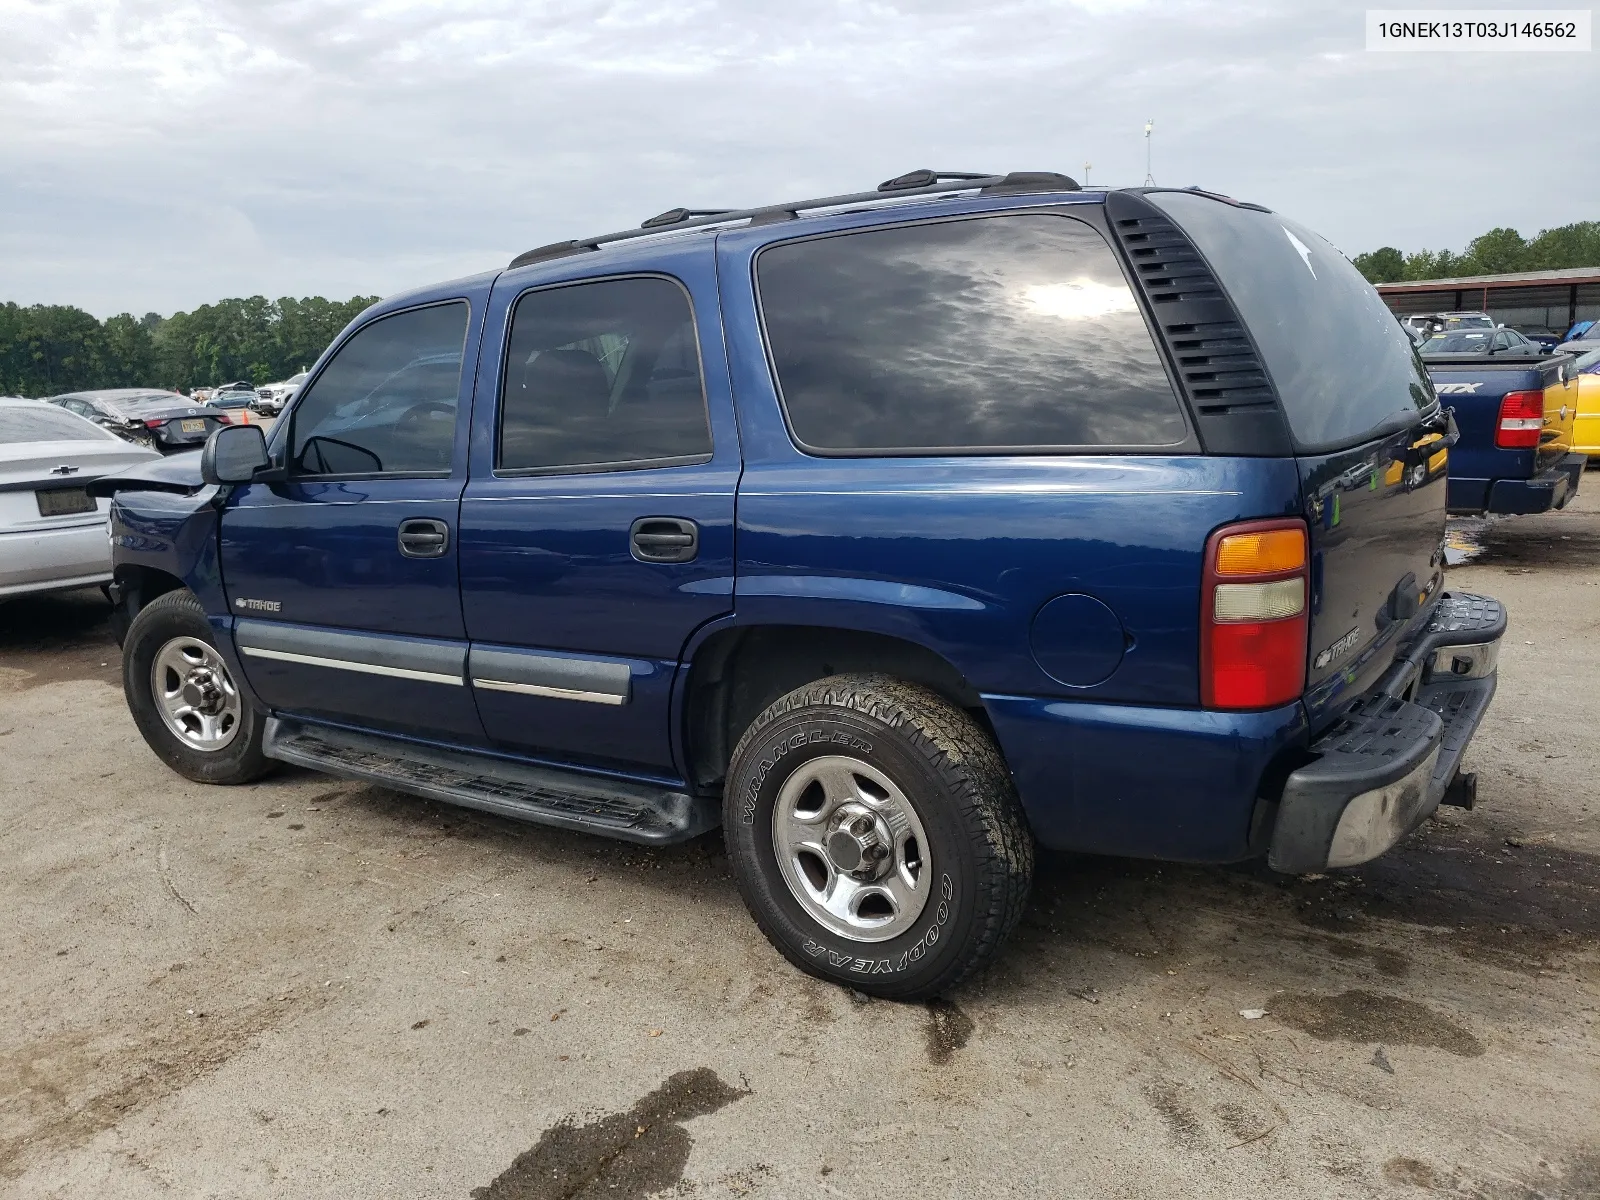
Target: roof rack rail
(912,183)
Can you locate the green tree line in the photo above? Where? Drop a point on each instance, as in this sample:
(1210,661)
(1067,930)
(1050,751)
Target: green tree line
(1498,252)
(47,349)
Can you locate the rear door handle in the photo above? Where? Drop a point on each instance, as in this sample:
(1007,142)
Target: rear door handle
(664,540)
(423,537)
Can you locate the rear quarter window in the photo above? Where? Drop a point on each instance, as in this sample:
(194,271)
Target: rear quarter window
(1342,366)
(995,334)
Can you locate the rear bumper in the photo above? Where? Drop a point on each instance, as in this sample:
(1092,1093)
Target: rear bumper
(1383,767)
(50,560)
(1549,489)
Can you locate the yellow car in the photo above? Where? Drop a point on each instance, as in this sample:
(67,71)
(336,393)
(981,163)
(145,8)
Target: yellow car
(1586,435)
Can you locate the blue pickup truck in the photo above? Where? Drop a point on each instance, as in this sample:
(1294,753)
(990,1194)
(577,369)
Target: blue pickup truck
(1517,414)
(895,532)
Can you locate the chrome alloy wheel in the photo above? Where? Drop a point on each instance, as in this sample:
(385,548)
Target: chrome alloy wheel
(851,849)
(196,695)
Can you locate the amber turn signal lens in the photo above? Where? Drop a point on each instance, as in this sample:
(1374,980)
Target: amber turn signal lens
(1264,553)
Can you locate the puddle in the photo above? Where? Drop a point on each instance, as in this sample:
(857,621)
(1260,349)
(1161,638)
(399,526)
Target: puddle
(625,1156)
(1361,1016)
(948,1030)
(1523,545)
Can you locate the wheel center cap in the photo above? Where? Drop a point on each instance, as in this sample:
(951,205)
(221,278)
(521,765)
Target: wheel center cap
(857,846)
(200,691)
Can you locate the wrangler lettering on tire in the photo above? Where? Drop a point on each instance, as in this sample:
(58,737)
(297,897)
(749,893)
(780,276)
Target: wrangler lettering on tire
(875,835)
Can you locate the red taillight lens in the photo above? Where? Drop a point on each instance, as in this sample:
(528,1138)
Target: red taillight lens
(1254,616)
(1521,420)
(224,418)
(155,424)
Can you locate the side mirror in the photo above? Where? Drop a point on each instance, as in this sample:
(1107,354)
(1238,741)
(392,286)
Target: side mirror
(233,454)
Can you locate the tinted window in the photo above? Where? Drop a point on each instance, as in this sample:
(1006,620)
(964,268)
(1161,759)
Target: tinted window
(602,373)
(28,424)
(1341,365)
(1001,332)
(387,401)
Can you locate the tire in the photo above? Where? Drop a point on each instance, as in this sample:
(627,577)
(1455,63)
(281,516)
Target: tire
(174,628)
(881,744)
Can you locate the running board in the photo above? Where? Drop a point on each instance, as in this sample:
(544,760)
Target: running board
(631,812)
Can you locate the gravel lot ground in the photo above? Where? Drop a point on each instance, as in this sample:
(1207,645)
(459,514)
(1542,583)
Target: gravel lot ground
(311,988)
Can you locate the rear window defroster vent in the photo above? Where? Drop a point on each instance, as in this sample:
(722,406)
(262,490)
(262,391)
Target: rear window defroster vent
(1229,390)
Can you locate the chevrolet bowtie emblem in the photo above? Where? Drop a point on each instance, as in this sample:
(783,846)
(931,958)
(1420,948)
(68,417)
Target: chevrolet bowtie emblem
(63,469)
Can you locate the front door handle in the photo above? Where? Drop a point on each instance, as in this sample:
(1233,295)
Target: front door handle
(423,537)
(664,540)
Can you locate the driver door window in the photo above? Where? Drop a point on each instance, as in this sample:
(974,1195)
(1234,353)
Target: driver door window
(386,404)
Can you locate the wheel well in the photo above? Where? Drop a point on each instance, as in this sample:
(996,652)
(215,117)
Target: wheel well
(135,587)
(738,672)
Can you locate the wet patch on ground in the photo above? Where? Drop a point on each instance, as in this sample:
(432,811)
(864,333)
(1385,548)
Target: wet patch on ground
(948,1030)
(1549,541)
(1362,1016)
(59,637)
(624,1156)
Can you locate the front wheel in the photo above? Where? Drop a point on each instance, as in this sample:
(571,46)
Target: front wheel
(875,835)
(183,696)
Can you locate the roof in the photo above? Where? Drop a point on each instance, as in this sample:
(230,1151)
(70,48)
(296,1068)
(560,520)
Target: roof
(921,183)
(1514,279)
(115,393)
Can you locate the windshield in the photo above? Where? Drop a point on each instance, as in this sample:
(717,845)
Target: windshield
(1342,365)
(1456,343)
(44,424)
(1588,364)
(298,378)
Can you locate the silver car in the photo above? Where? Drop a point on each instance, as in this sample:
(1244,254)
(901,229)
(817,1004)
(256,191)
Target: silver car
(52,532)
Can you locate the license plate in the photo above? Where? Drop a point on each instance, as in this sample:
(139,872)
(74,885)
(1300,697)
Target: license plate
(196,426)
(58,502)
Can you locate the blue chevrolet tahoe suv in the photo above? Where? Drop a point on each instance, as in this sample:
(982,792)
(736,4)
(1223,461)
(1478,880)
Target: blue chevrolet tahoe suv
(896,533)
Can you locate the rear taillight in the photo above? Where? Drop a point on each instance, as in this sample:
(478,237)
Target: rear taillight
(1521,420)
(155,424)
(223,417)
(1253,621)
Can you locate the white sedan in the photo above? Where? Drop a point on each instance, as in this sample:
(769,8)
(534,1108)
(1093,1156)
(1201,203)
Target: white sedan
(52,532)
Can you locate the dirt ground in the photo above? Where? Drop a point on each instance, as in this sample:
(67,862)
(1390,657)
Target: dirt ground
(312,988)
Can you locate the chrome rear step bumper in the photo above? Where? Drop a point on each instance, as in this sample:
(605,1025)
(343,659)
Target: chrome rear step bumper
(1384,766)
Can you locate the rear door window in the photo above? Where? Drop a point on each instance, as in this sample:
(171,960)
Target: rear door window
(1344,370)
(995,334)
(603,375)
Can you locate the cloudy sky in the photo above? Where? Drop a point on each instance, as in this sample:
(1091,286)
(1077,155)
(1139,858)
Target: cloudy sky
(158,154)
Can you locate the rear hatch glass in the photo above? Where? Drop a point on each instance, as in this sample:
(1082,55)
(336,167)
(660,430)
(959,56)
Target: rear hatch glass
(1343,367)
(1354,393)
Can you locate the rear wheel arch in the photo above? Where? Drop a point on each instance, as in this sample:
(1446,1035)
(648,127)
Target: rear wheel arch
(739,670)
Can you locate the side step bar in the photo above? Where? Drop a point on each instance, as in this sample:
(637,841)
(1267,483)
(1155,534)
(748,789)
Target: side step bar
(631,812)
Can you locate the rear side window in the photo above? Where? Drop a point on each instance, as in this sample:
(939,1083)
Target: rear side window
(603,374)
(1015,333)
(20,424)
(386,404)
(1342,366)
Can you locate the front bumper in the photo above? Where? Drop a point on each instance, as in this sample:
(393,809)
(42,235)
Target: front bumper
(1383,767)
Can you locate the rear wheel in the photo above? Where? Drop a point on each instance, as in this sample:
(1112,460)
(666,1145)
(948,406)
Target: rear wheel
(184,698)
(875,835)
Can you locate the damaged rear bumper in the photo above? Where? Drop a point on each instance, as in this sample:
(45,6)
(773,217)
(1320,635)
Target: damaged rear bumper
(1384,766)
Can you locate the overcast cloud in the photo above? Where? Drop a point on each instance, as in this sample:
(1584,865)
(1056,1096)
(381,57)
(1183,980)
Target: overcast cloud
(162,155)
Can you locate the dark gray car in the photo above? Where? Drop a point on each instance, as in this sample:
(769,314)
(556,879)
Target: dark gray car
(148,416)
